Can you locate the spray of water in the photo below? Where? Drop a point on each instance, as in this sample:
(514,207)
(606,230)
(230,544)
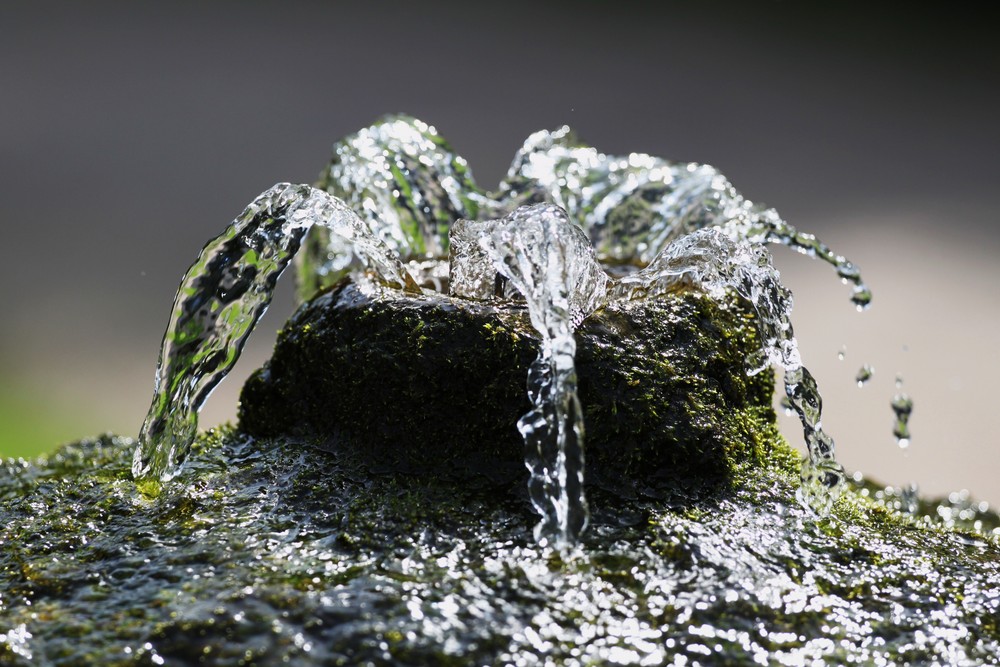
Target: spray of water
(396,199)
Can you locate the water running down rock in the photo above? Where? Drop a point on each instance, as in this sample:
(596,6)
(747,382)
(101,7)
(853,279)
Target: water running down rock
(584,229)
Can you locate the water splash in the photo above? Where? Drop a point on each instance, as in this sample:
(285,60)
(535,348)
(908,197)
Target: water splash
(407,184)
(633,206)
(902,406)
(550,263)
(222,296)
(910,498)
(865,374)
(653,223)
(716,263)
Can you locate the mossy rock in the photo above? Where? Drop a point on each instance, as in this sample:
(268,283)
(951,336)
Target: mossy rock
(433,385)
(309,547)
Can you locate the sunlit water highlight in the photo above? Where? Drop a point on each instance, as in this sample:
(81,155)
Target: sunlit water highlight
(569,230)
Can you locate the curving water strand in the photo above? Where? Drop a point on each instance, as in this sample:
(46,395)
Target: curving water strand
(633,206)
(407,184)
(224,294)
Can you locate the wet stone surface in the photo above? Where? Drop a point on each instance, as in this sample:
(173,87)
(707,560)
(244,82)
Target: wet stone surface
(316,546)
(273,550)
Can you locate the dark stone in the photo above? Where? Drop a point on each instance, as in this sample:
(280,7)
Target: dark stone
(433,385)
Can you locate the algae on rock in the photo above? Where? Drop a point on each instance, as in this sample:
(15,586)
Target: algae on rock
(321,540)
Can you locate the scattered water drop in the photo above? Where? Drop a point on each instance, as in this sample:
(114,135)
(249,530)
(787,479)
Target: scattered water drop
(902,405)
(909,498)
(842,353)
(865,374)
(899,381)
(786,405)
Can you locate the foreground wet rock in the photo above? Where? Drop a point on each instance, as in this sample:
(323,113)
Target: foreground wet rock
(309,536)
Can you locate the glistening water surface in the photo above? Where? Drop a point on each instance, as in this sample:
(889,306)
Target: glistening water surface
(260,556)
(581,228)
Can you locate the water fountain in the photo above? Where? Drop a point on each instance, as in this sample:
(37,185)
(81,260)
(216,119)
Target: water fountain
(656,222)
(372,507)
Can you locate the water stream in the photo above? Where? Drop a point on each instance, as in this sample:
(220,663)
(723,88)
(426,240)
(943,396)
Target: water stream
(224,294)
(569,230)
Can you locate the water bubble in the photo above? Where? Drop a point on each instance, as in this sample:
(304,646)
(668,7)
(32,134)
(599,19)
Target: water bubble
(902,405)
(865,374)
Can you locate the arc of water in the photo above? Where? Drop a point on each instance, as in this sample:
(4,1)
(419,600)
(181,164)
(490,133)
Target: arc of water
(223,295)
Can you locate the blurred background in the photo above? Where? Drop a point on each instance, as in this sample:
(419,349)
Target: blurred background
(132,133)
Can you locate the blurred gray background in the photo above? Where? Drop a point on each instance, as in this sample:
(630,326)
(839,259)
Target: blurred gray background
(132,133)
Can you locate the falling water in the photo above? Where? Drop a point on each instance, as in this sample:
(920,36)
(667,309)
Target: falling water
(571,212)
(633,206)
(716,263)
(902,406)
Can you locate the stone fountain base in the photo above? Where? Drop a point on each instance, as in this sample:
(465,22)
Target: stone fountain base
(371,510)
(432,385)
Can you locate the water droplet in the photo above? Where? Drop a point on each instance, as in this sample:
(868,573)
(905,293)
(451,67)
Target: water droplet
(909,498)
(899,380)
(842,353)
(902,405)
(865,374)
(786,405)
(861,297)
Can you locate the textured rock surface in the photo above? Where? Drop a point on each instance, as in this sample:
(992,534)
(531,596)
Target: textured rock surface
(421,385)
(270,550)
